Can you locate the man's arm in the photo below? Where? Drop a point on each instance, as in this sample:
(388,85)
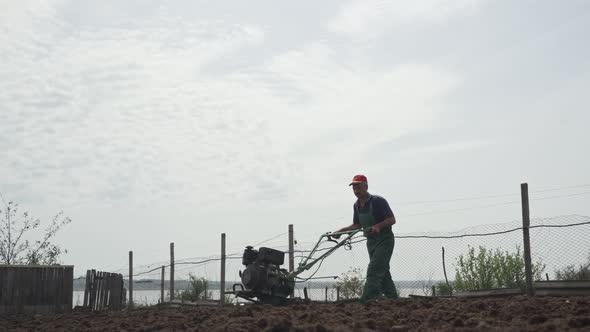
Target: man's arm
(346,229)
(383,212)
(390,221)
(355,224)
(349,228)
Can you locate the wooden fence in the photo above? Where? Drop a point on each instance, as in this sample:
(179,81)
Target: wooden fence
(36,289)
(104,290)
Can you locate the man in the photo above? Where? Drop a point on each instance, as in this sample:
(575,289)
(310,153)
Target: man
(372,212)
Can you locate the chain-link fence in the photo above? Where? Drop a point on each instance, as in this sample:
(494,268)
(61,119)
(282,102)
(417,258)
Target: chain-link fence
(561,244)
(558,245)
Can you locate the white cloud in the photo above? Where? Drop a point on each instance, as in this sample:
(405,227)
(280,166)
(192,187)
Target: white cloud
(341,111)
(130,111)
(369,18)
(116,113)
(446,148)
(356,99)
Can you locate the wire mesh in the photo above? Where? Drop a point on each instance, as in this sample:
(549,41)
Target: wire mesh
(559,245)
(562,246)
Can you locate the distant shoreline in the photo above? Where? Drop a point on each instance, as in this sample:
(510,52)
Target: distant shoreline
(155,284)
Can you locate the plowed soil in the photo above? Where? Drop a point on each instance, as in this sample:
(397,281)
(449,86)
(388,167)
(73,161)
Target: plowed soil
(409,314)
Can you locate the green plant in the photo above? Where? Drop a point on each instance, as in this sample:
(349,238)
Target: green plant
(492,269)
(229,299)
(351,284)
(197,289)
(15,248)
(443,289)
(426,285)
(571,273)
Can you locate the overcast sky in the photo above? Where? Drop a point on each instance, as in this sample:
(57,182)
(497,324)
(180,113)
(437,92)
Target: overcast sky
(150,122)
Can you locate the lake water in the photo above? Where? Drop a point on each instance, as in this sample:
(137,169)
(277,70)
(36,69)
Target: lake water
(151,297)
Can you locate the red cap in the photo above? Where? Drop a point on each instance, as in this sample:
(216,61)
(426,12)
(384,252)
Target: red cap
(359,178)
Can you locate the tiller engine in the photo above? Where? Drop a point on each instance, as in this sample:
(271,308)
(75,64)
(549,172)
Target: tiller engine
(263,279)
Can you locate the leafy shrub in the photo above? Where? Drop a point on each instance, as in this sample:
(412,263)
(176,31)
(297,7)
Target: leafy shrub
(351,284)
(493,269)
(571,273)
(443,289)
(196,291)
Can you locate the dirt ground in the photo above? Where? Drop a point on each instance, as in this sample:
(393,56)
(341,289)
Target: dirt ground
(408,314)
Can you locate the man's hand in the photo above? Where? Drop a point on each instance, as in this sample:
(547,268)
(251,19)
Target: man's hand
(337,236)
(375,229)
(345,229)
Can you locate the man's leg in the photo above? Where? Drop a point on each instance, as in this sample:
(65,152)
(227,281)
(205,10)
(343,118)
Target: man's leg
(370,250)
(388,287)
(387,284)
(379,254)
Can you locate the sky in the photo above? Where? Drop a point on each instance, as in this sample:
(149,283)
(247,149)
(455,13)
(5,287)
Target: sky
(150,122)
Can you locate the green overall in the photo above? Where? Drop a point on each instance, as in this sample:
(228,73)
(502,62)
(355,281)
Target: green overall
(380,249)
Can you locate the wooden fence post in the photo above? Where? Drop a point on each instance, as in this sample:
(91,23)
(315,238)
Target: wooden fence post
(337,293)
(131,280)
(87,290)
(93,286)
(526,222)
(98,285)
(162,285)
(116,298)
(171,271)
(69,288)
(106,290)
(222,281)
(326,294)
(445,272)
(291,254)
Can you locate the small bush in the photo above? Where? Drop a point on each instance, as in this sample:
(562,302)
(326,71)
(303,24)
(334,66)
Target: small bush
(492,269)
(443,289)
(196,291)
(570,272)
(351,284)
(229,299)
